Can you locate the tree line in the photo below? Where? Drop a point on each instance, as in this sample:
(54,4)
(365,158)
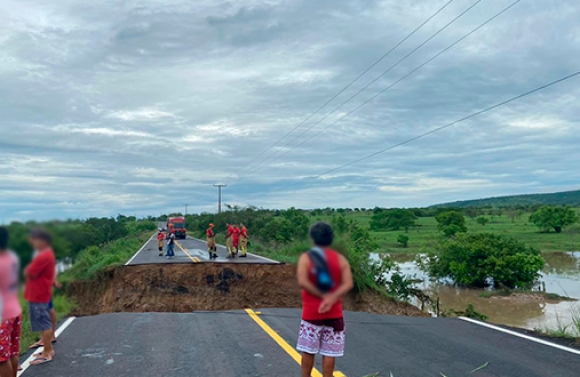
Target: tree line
(70,237)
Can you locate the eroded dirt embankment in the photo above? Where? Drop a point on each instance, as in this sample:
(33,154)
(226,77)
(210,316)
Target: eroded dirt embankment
(187,288)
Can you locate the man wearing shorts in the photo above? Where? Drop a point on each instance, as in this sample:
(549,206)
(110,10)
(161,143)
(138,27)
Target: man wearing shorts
(322,328)
(11,312)
(40,275)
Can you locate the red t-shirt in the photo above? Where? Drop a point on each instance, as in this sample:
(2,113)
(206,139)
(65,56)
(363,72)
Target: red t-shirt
(230,231)
(311,303)
(40,277)
(209,232)
(236,232)
(160,236)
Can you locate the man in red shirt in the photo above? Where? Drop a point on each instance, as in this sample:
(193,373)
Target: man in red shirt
(40,275)
(325,277)
(211,246)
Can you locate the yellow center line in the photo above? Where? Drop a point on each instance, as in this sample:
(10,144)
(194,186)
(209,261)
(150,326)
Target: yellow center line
(194,260)
(282,343)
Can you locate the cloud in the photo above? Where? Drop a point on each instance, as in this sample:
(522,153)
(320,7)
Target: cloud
(121,107)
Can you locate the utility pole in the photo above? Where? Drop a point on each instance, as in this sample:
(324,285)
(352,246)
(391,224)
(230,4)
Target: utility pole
(186,205)
(219,186)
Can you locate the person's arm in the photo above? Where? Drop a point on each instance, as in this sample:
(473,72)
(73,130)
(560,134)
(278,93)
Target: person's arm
(36,267)
(302,274)
(345,286)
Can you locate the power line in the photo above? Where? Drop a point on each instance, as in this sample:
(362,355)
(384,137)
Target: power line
(396,82)
(349,84)
(407,141)
(370,83)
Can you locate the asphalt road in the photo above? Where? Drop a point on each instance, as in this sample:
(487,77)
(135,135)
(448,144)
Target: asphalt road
(228,344)
(190,250)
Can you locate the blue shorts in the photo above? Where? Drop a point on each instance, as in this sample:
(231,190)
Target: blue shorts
(39,317)
(50,304)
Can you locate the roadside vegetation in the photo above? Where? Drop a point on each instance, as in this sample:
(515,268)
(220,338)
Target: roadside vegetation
(569,331)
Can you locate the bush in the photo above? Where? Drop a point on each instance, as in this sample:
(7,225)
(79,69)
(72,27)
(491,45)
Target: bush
(403,240)
(482,259)
(451,223)
(392,219)
(482,220)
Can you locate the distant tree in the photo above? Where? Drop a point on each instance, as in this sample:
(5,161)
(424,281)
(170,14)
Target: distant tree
(556,218)
(340,224)
(393,219)
(451,223)
(482,220)
(403,240)
(482,259)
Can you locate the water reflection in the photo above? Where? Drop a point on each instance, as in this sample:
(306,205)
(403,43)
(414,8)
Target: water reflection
(561,275)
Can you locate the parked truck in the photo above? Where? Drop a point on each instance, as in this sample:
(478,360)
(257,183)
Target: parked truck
(176,225)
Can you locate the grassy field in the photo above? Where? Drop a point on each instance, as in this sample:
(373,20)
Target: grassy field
(424,236)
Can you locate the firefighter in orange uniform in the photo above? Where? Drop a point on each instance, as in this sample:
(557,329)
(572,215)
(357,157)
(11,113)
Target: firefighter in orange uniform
(236,240)
(244,241)
(230,240)
(211,246)
(160,239)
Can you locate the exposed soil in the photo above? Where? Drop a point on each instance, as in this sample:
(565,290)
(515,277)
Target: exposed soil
(199,287)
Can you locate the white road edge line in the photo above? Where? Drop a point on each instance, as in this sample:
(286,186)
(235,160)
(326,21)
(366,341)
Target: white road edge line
(141,249)
(523,336)
(59,331)
(254,255)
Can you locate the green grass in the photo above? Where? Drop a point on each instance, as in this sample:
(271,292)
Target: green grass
(62,305)
(95,259)
(570,331)
(423,237)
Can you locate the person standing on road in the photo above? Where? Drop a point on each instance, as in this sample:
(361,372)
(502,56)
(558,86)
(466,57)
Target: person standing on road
(40,277)
(211,246)
(10,310)
(236,236)
(230,240)
(160,241)
(171,245)
(325,277)
(244,241)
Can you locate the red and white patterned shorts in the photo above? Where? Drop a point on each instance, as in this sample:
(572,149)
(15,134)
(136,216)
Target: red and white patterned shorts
(325,337)
(10,330)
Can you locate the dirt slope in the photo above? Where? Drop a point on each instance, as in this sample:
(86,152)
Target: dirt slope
(186,288)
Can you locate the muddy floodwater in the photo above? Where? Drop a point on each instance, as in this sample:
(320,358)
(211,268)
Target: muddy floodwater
(561,275)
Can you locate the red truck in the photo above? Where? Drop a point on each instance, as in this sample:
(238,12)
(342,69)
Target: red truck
(177,226)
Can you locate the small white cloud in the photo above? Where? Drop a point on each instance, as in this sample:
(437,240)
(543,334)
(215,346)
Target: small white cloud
(140,115)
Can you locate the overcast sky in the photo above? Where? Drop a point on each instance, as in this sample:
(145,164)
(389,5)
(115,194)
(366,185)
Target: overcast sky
(138,107)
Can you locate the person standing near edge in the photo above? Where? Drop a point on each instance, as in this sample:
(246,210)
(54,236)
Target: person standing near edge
(236,237)
(160,241)
(211,246)
(40,277)
(325,277)
(170,245)
(230,240)
(244,241)
(10,311)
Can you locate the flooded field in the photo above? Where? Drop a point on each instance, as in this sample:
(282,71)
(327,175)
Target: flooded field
(561,275)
